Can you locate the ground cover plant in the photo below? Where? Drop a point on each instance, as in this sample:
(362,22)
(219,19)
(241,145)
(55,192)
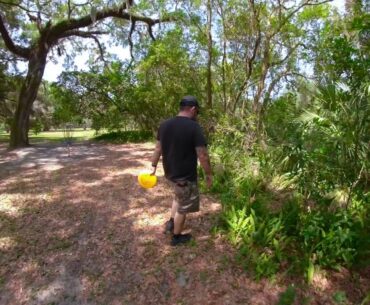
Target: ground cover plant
(295,206)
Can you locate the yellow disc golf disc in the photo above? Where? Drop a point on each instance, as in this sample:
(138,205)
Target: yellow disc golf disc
(146,180)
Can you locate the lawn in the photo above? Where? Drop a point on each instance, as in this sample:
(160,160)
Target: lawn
(56,136)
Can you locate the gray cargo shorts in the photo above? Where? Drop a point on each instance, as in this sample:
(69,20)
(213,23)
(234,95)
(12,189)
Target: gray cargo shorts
(186,195)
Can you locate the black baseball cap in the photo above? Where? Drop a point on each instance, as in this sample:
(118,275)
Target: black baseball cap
(190,101)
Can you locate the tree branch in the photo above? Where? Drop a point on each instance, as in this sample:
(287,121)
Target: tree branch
(57,30)
(100,49)
(19,6)
(250,60)
(303,4)
(272,86)
(82,33)
(150,31)
(17,50)
(91,91)
(132,28)
(89,35)
(275,63)
(69,9)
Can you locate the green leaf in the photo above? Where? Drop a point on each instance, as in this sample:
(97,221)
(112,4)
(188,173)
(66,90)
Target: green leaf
(310,272)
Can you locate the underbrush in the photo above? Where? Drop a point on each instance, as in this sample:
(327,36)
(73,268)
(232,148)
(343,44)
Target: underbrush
(130,136)
(280,231)
(276,227)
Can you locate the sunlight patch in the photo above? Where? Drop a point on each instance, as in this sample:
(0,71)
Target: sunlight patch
(95,158)
(30,267)
(149,220)
(78,184)
(22,153)
(52,167)
(28,165)
(6,243)
(320,282)
(65,287)
(6,204)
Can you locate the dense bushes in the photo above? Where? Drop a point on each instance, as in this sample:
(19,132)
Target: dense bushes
(302,201)
(328,148)
(130,136)
(276,229)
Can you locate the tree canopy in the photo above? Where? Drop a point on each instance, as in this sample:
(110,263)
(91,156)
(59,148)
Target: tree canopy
(31,30)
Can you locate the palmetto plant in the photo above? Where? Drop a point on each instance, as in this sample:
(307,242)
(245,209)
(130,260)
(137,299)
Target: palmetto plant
(330,149)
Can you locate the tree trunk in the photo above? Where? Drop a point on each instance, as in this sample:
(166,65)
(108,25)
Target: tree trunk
(257,105)
(28,93)
(209,61)
(224,61)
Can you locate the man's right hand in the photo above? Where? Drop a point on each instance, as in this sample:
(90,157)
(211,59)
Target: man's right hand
(154,169)
(155,158)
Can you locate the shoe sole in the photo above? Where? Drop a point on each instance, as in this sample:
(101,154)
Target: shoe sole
(181,243)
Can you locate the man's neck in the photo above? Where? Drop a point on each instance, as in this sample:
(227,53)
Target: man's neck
(184,114)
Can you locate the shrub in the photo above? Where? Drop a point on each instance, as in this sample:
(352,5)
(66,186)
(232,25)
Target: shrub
(131,136)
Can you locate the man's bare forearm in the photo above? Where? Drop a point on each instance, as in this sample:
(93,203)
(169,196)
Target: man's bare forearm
(157,154)
(203,157)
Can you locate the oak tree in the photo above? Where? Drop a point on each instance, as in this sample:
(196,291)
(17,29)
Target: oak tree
(32,30)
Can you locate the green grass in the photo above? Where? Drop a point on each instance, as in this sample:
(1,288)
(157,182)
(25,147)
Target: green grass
(4,137)
(78,134)
(55,136)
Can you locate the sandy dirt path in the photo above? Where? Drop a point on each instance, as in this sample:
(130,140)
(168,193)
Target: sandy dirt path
(77,229)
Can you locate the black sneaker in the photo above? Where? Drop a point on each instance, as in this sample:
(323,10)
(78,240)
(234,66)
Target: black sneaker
(180,239)
(169,226)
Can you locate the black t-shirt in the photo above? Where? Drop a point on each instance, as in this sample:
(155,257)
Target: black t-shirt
(179,137)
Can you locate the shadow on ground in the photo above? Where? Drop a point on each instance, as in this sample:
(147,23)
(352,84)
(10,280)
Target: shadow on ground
(77,229)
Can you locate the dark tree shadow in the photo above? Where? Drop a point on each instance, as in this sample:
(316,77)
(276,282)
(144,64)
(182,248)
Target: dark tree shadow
(80,230)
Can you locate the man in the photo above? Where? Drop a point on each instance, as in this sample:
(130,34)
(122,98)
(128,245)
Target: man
(180,141)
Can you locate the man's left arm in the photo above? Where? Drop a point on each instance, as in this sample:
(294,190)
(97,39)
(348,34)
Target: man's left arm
(156,156)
